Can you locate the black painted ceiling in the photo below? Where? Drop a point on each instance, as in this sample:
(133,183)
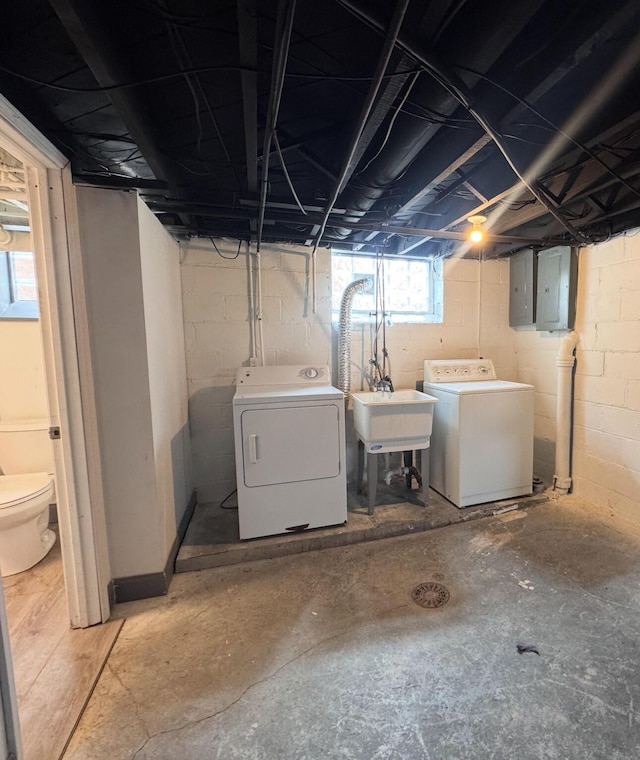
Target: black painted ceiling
(365,124)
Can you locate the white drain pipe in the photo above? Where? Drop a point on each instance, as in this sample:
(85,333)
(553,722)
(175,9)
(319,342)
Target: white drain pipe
(564,401)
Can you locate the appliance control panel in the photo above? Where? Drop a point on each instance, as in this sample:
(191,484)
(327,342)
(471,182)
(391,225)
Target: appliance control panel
(284,375)
(458,370)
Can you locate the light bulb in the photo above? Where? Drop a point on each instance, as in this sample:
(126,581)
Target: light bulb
(477,233)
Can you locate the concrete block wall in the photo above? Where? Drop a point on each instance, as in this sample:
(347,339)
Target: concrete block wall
(216,283)
(607,406)
(475,323)
(606,443)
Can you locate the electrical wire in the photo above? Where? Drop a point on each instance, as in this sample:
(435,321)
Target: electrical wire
(391,123)
(125,85)
(286,173)
(165,15)
(226,499)
(222,256)
(174,38)
(551,124)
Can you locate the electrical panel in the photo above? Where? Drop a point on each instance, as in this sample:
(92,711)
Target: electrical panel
(556,288)
(523,270)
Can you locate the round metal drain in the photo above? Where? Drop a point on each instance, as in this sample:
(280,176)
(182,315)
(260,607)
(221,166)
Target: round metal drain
(430,595)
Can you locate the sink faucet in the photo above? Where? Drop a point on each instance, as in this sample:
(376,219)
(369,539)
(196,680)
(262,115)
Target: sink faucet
(385,384)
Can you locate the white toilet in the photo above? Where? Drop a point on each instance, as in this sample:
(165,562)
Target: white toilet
(26,491)
(25,537)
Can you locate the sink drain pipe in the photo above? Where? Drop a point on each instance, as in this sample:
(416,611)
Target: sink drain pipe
(344,332)
(564,412)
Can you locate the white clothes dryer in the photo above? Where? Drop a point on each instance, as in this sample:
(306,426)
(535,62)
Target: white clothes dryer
(289,436)
(482,437)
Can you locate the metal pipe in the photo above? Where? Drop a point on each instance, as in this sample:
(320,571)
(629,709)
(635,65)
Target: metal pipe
(347,169)
(285,19)
(457,88)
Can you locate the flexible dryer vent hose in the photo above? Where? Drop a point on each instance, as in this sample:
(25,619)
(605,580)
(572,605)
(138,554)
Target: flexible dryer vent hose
(344,332)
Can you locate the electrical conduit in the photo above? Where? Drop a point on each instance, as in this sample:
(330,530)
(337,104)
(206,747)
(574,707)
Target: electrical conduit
(564,404)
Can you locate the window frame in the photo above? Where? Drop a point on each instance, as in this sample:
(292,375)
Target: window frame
(434,277)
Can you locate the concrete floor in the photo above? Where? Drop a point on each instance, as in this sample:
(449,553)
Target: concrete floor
(213,540)
(325,655)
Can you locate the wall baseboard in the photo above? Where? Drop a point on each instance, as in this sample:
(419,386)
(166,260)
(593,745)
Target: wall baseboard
(134,587)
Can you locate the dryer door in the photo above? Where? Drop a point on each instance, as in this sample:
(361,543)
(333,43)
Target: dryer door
(290,445)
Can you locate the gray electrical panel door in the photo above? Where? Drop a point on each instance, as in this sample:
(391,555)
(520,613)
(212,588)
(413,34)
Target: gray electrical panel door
(522,288)
(557,285)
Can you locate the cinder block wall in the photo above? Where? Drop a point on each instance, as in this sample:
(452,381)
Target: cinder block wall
(475,323)
(606,445)
(215,287)
(215,291)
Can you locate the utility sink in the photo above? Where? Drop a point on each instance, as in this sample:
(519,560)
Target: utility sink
(393,420)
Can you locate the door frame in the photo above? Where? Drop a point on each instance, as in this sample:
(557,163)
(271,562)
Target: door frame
(68,369)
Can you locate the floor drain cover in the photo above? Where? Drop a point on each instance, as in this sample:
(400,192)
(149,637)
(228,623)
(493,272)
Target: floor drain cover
(430,595)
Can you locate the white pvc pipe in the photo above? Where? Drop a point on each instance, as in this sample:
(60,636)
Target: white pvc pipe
(259,314)
(564,399)
(252,309)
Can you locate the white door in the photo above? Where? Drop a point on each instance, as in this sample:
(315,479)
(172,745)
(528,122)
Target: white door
(67,364)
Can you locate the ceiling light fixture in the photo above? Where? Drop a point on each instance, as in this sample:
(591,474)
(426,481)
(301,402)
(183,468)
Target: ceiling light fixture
(477,233)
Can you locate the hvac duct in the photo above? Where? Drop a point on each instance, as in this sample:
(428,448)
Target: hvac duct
(344,332)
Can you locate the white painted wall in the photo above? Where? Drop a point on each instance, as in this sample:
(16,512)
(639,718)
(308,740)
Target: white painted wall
(606,447)
(218,338)
(23,391)
(24,412)
(475,323)
(216,312)
(138,409)
(160,261)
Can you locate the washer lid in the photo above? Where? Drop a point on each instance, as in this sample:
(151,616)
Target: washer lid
(14,489)
(482,386)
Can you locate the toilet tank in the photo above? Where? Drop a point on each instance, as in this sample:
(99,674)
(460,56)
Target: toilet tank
(25,447)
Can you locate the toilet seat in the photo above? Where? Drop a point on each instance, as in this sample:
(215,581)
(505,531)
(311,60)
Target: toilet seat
(16,489)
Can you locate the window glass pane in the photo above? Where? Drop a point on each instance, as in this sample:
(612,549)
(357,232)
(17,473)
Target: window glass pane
(23,276)
(18,285)
(408,286)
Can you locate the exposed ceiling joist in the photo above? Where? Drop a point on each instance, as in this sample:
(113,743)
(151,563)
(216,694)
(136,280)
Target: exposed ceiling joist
(173,98)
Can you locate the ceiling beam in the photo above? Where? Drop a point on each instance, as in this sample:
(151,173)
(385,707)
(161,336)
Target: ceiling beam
(107,61)
(416,197)
(276,216)
(248,42)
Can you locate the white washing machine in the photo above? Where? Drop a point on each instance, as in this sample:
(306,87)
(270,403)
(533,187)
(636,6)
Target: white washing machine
(482,437)
(290,450)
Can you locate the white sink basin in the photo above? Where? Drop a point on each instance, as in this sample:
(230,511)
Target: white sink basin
(393,420)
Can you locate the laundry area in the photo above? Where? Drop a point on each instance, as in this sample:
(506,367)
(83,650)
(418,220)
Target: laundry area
(320,380)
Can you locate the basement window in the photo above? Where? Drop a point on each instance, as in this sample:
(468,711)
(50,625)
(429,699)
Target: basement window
(412,287)
(18,287)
